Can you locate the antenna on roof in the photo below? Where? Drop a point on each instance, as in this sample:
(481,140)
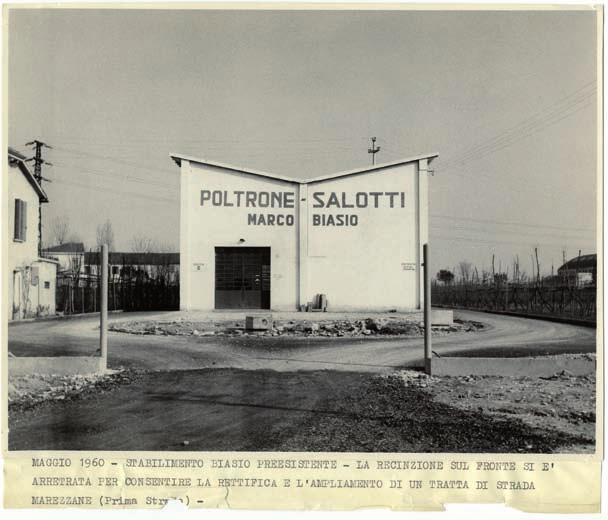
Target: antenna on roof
(373,150)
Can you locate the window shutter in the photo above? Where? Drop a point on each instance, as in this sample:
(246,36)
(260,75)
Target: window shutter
(17,219)
(23,220)
(20,220)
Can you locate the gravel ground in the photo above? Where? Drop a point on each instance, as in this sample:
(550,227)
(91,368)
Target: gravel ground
(562,403)
(410,412)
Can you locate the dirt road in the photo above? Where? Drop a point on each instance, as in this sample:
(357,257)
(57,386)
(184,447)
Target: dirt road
(265,410)
(503,335)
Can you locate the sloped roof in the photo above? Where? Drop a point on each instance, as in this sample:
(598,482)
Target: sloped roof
(67,247)
(18,159)
(178,158)
(16,154)
(585,262)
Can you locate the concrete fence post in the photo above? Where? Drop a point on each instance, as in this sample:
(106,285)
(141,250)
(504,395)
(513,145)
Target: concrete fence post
(103,311)
(427,309)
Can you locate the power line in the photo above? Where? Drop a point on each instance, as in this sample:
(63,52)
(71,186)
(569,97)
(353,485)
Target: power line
(525,128)
(515,138)
(489,151)
(118,192)
(506,222)
(165,139)
(107,174)
(521,234)
(112,159)
(483,234)
(510,242)
(548,112)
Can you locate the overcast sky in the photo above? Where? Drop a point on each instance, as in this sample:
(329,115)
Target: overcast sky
(507,99)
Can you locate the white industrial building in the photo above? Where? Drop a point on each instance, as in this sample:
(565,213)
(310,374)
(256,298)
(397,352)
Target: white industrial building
(256,240)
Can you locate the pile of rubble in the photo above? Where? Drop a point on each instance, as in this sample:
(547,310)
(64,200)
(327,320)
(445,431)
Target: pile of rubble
(25,392)
(561,402)
(322,328)
(414,378)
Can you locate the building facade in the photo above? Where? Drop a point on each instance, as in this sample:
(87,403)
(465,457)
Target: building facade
(251,239)
(31,279)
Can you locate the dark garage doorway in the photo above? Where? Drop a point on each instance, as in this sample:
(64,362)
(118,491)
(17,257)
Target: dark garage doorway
(242,278)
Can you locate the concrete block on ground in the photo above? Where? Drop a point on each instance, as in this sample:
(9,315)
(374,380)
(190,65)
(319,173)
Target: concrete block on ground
(258,322)
(512,367)
(60,365)
(442,317)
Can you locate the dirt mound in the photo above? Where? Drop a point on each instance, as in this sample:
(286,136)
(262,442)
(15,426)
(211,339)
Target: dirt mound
(394,326)
(26,392)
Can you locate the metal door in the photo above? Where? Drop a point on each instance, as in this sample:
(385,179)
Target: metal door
(242,278)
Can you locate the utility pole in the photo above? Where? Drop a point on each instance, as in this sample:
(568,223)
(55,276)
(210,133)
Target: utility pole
(103,311)
(38,162)
(373,150)
(428,352)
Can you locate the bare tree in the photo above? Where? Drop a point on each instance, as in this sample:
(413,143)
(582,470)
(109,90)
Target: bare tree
(164,247)
(105,235)
(141,243)
(76,262)
(164,269)
(465,269)
(60,230)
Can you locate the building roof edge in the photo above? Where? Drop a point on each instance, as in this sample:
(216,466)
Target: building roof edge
(19,159)
(371,168)
(178,158)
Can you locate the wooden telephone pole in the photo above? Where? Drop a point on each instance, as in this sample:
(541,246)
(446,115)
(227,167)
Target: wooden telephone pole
(38,162)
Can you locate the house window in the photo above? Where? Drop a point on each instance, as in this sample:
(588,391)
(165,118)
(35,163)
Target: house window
(20,220)
(114,270)
(47,285)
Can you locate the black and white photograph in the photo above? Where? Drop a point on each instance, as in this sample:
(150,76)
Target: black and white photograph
(326,231)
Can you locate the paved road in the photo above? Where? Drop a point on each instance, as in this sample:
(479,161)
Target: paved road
(503,335)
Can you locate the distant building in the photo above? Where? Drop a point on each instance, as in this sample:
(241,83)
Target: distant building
(135,266)
(32,279)
(580,270)
(70,255)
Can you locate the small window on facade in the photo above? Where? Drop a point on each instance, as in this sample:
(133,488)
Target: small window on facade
(114,269)
(20,220)
(47,285)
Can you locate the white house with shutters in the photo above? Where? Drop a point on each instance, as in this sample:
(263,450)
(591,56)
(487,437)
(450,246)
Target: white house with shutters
(31,279)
